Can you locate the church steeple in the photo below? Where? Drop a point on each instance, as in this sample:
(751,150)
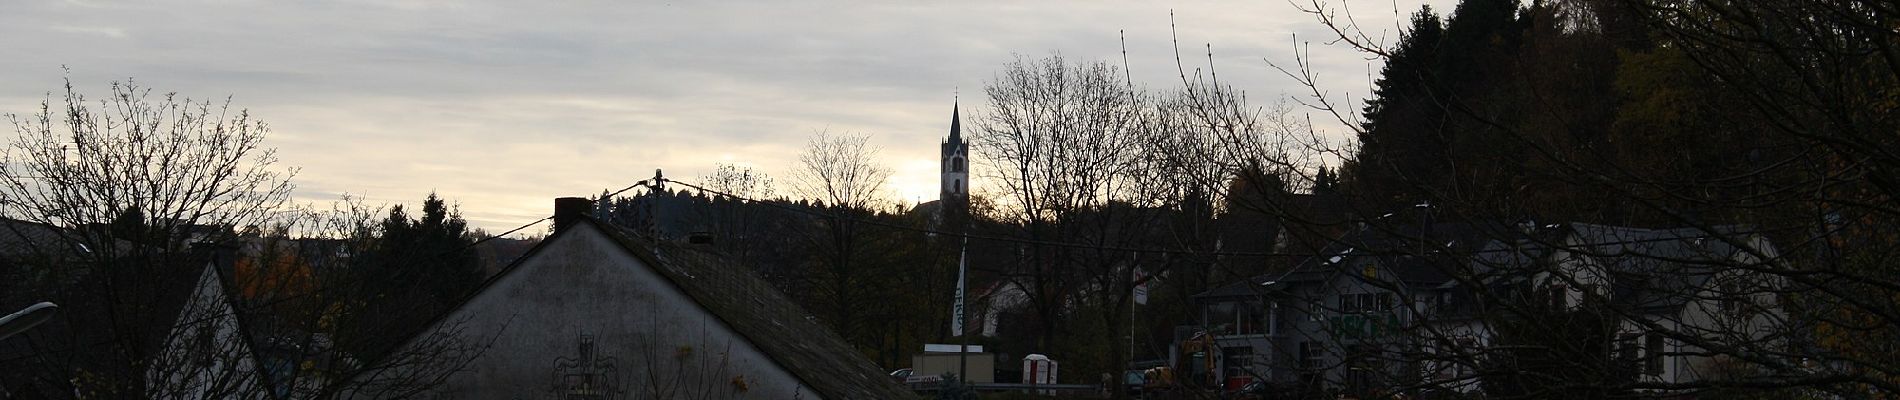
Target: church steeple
(956,174)
(956,124)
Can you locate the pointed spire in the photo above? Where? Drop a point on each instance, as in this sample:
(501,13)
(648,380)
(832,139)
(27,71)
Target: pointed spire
(956,124)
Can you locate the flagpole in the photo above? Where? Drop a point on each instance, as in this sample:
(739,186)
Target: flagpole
(963,351)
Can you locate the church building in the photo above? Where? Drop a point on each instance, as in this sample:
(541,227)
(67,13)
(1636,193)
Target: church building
(954,198)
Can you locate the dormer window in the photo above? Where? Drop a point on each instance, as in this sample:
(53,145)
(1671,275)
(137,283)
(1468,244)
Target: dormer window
(1734,295)
(1365,303)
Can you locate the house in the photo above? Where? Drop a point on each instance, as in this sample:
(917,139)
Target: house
(1415,307)
(999,301)
(207,352)
(596,311)
(1669,288)
(139,326)
(1324,319)
(35,255)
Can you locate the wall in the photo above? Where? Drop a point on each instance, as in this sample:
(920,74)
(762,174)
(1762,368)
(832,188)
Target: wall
(583,283)
(982,366)
(204,355)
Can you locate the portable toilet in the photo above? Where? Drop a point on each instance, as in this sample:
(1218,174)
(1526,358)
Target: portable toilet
(1039,370)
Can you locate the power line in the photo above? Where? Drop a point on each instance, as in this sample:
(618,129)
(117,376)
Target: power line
(812,212)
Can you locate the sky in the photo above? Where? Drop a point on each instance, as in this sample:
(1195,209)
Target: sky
(502,106)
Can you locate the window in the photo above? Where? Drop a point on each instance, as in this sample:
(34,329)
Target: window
(1735,297)
(1365,303)
(1364,365)
(1626,347)
(1220,318)
(1309,355)
(1730,298)
(1273,318)
(205,346)
(1237,358)
(1559,296)
(1654,350)
(1247,319)
(1239,318)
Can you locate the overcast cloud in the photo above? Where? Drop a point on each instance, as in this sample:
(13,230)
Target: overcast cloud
(504,105)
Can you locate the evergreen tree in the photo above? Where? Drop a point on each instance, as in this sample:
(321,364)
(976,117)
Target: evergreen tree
(1325,181)
(416,269)
(1397,138)
(1479,40)
(131,225)
(437,248)
(1422,137)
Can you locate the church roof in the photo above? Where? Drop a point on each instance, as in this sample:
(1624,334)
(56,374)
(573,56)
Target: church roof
(956,126)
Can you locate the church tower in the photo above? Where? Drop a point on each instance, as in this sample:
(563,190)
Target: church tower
(955,195)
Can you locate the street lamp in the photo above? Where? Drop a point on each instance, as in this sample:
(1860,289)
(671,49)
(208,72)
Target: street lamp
(25,319)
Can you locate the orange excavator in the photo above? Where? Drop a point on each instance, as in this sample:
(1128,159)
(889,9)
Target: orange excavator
(1194,369)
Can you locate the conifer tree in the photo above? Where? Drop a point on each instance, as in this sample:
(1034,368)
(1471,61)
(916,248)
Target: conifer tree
(1396,138)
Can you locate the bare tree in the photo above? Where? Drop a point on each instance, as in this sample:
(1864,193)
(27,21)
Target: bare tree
(842,174)
(161,196)
(741,181)
(1062,141)
(840,171)
(738,226)
(132,180)
(182,164)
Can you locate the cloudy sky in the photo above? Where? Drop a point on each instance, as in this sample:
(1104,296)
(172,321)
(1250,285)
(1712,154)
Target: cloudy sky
(504,105)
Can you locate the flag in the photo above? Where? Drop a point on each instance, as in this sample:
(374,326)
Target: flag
(962,262)
(1141,288)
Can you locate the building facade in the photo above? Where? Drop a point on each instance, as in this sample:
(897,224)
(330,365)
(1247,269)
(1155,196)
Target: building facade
(598,312)
(1425,309)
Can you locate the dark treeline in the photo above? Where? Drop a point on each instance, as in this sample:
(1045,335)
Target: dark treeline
(1771,118)
(905,276)
(1491,111)
(1744,123)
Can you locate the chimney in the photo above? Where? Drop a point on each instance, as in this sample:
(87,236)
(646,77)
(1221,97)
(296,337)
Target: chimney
(223,254)
(701,237)
(569,210)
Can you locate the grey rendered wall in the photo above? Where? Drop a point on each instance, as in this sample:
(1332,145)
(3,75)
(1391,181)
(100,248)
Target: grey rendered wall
(585,284)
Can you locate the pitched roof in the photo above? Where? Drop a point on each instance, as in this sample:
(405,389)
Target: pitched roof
(23,240)
(135,302)
(765,317)
(1659,268)
(1258,285)
(748,305)
(1410,253)
(1655,270)
(1651,269)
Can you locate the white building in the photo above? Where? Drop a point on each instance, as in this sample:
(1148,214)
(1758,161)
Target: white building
(598,312)
(1380,305)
